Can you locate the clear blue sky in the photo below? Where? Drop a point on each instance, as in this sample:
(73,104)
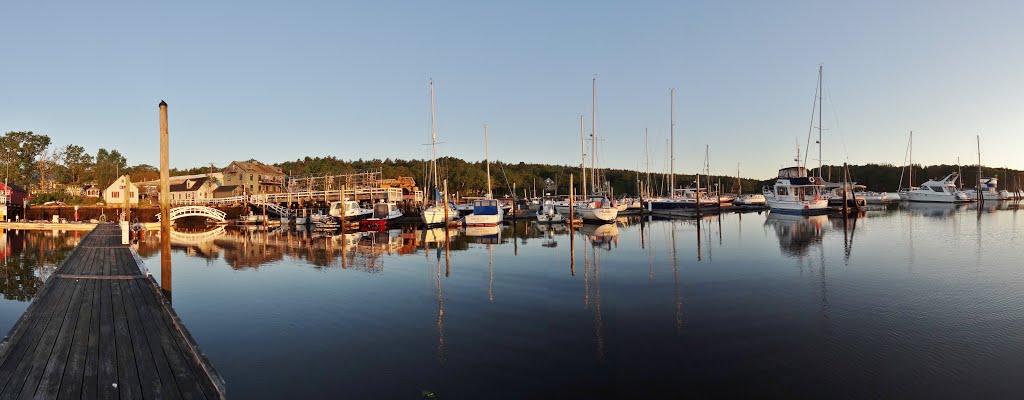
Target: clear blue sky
(283,80)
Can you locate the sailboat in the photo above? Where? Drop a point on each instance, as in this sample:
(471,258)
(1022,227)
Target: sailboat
(598,209)
(902,191)
(441,211)
(486,211)
(750,199)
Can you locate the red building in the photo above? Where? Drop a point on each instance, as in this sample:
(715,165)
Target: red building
(12,200)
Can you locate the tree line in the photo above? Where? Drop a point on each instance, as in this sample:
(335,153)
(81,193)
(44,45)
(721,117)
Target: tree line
(33,162)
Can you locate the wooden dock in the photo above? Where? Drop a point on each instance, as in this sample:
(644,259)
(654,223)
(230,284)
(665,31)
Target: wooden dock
(101,329)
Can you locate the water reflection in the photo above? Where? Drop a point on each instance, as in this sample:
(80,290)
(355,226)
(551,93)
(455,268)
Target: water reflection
(738,317)
(797,233)
(932,210)
(29,258)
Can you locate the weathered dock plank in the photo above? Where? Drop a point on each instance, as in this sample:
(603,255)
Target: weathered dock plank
(100,328)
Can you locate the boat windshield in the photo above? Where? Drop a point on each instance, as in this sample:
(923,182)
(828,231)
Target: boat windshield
(381,210)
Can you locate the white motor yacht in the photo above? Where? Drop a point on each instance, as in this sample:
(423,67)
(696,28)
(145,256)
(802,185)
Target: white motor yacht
(939,191)
(795,192)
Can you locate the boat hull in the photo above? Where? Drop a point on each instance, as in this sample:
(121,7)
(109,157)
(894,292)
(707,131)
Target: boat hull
(806,207)
(483,220)
(437,216)
(603,215)
(920,197)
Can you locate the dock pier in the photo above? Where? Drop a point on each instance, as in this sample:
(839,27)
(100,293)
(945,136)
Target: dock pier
(100,328)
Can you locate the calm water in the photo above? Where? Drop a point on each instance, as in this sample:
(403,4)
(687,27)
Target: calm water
(919,300)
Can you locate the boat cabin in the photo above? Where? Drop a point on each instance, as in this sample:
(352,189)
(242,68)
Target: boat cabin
(384,210)
(486,207)
(946,185)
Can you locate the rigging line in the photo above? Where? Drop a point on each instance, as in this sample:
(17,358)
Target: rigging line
(507,184)
(835,117)
(810,129)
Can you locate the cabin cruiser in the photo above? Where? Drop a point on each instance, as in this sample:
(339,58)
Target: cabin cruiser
(939,191)
(486,212)
(353,211)
(797,193)
(382,214)
(989,191)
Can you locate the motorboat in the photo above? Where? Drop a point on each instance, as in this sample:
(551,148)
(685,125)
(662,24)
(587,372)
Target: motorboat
(486,212)
(795,192)
(548,213)
(989,190)
(939,191)
(353,211)
(383,213)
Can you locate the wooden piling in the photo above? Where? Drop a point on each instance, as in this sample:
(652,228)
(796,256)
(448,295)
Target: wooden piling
(165,204)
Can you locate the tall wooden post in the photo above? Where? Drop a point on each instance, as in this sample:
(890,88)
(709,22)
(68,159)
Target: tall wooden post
(165,205)
(126,203)
(446,220)
(572,193)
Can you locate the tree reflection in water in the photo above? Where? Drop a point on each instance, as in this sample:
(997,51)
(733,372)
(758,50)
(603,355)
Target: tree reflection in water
(29,257)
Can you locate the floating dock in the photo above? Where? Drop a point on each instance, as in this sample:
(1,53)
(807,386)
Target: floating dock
(101,328)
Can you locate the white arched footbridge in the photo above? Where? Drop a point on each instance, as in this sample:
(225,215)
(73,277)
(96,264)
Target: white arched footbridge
(196,211)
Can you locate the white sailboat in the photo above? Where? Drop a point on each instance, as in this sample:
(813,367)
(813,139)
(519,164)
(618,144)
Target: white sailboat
(441,211)
(598,209)
(902,191)
(486,211)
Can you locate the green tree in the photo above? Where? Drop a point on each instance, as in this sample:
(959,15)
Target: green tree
(24,156)
(109,165)
(75,162)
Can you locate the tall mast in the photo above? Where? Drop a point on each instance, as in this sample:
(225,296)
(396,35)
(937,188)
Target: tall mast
(980,198)
(433,141)
(647,157)
(583,156)
(593,136)
(910,176)
(487,158)
(739,182)
(821,104)
(672,142)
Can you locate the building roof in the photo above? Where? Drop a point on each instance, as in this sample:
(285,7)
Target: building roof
(255,167)
(223,189)
(186,187)
(15,188)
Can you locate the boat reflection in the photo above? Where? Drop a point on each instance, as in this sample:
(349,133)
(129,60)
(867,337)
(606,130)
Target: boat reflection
(797,233)
(934,210)
(484,234)
(601,235)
